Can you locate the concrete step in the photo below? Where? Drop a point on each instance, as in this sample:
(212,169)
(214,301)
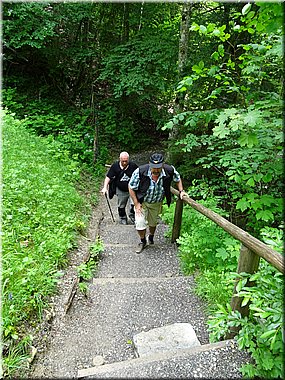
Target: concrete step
(220,360)
(158,260)
(115,233)
(136,304)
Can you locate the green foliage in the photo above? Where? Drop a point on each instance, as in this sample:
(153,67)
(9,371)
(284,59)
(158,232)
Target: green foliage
(85,270)
(16,356)
(41,219)
(261,332)
(139,74)
(215,287)
(27,24)
(139,65)
(203,244)
(253,172)
(72,131)
(234,130)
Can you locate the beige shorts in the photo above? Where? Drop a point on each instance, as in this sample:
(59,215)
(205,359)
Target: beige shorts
(149,216)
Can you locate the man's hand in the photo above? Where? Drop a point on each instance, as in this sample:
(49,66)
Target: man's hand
(138,209)
(182,193)
(104,190)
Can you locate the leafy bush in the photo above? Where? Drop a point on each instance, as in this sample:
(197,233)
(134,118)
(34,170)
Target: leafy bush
(261,332)
(45,117)
(202,243)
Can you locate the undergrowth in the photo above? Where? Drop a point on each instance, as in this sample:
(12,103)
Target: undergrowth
(43,215)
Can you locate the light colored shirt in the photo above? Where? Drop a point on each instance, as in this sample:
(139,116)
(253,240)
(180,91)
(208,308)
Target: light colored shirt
(155,192)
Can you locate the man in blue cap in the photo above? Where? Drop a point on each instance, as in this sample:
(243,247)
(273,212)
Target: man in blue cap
(148,186)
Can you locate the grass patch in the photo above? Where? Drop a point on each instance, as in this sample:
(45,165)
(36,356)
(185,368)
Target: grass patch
(43,213)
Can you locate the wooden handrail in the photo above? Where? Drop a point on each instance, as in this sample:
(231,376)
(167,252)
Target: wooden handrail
(261,249)
(251,249)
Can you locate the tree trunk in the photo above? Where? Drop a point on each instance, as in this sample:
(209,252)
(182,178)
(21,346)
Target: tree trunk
(126,24)
(184,39)
(182,60)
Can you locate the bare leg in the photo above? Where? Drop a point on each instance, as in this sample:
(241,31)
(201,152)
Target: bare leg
(141,233)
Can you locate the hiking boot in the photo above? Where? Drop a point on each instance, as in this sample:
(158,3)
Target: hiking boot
(150,239)
(123,221)
(141,247)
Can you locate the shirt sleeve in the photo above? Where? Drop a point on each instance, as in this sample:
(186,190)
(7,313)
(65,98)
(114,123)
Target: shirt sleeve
(112,171)
(135,180)
(176,175)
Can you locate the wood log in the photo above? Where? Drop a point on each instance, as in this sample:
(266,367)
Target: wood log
(177,220)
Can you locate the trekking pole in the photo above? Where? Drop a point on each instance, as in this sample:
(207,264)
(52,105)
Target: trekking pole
(109,207)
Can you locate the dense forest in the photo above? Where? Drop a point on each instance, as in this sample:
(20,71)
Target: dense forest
(202,81)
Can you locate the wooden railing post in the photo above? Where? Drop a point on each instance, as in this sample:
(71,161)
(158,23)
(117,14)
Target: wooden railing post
(177,220)
(248,262)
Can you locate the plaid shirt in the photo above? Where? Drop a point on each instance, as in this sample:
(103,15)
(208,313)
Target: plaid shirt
(155,192)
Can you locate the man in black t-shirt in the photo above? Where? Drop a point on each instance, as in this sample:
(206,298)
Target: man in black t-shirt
(117,181)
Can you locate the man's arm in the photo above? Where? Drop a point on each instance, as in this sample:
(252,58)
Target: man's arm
(180,188)
(133,186)
(105,186)
(137,205)
(133,196)
(179,183)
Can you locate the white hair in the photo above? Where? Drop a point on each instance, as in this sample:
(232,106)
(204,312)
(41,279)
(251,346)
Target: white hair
(124,154)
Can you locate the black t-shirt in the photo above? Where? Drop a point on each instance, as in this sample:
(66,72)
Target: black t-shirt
(121,176)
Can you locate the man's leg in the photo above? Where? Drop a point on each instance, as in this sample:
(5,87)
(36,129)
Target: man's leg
(122,202)
(132,211)
(154,210)
(151,234)
(141,225)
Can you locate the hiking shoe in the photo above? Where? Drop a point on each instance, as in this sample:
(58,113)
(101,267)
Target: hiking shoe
(150,239)
(141,247)
(123,221)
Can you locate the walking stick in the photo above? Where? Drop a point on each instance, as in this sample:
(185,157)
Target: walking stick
(109,207)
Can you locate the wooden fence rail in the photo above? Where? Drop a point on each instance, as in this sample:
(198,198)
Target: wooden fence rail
(251,248)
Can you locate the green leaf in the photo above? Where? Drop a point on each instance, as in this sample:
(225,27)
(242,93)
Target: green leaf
(267,199)
(222,253)
(267,178)
(252,118)
(248,139)
(264,215)
(168,125)
(216,32)
(267,334)
(246,9)
(215,56)
(250,182)
(242,205)
(221,50)
(221,131)
(245,301)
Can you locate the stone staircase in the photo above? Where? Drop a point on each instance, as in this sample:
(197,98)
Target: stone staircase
(147,321)
(141,318)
